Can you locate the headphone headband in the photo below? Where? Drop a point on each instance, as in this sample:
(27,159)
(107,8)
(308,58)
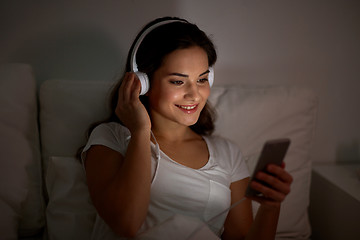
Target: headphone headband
(133,63)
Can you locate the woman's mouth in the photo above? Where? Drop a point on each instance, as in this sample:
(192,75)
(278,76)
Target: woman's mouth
(188,108)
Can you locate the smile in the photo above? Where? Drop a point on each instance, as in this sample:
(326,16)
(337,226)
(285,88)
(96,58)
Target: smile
(187,107)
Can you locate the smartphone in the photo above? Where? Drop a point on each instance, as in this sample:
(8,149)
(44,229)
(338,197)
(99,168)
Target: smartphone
(273,152)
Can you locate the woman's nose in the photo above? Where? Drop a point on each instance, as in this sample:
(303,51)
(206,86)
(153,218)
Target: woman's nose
(192,92)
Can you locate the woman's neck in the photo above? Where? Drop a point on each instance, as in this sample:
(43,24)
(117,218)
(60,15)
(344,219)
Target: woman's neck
(175,134)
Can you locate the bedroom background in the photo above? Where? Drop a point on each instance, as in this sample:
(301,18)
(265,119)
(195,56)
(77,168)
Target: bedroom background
(276,45)
(314,44)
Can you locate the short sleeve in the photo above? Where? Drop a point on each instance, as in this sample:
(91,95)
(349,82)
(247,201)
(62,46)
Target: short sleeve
(229,158)
(239,169)
(112,135)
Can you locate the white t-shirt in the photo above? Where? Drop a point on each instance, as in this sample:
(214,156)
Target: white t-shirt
(176,189)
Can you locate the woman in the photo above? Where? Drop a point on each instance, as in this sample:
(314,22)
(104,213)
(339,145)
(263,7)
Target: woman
(155,157)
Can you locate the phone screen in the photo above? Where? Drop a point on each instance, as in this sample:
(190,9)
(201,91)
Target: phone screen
(273,152)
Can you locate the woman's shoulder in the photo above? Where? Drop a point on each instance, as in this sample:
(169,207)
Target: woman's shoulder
(110,134)
(114,128)
(227,154)
(109,126)
(223,148)
(222,142)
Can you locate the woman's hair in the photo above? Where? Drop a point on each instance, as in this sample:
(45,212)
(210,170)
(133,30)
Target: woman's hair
(155,46)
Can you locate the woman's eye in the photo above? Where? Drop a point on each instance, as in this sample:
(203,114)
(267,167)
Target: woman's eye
(203,80)
(177,82)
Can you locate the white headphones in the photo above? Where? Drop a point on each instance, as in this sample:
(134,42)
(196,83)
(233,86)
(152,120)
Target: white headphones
(144,79)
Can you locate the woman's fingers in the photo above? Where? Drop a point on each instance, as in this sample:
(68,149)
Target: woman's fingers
(280,173)
(121,95)
(136,88)
(128,81)
(129,109)
(130,88)
(268,192)
(275,184)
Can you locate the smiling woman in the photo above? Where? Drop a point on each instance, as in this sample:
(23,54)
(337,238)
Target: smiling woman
(154,158)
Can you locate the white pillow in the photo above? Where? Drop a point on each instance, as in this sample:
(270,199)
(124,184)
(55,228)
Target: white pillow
(21,200)
(67,108)
(252,115)
(69,213)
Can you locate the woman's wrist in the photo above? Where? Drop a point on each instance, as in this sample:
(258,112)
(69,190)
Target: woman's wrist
(141,132)
(271,207)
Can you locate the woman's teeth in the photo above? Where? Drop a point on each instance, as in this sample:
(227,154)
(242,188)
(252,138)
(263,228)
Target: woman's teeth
(187,107)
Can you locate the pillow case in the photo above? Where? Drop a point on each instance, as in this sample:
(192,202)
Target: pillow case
(67,109)
(21,199)
(69,213)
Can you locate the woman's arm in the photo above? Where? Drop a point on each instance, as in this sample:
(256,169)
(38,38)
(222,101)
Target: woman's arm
(120,185)
(240,218)
(265,223)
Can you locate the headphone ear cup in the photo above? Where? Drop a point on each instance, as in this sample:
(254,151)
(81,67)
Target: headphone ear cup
(211,76)
(144,81)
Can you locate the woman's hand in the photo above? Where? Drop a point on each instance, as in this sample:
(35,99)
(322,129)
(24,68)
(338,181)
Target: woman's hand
(279,182)
(131,112)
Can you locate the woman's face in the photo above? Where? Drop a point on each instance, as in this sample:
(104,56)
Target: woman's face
(179,88)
